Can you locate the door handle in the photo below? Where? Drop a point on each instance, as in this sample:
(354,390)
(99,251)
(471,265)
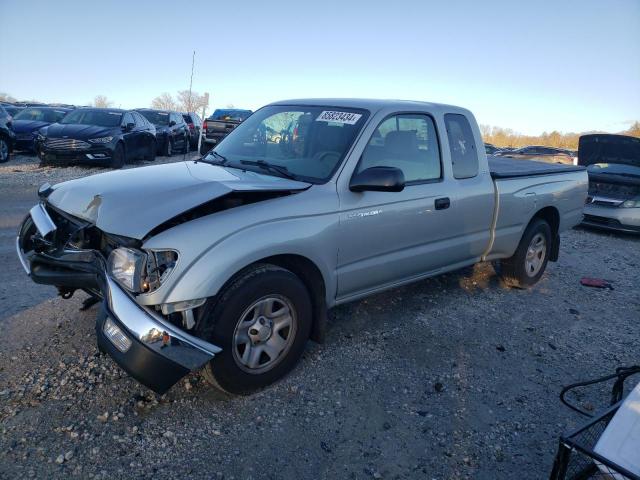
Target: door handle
(442,203)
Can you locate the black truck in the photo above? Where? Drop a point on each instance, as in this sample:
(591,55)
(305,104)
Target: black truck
(219,125)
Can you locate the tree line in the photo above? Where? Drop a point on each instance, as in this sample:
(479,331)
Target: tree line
(184,101)
(506,137)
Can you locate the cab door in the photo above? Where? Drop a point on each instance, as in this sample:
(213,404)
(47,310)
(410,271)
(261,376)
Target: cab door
(388,237)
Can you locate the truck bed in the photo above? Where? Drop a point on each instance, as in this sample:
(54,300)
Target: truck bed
(505,167)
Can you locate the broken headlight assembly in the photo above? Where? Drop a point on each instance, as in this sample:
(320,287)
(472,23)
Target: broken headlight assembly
(141,271)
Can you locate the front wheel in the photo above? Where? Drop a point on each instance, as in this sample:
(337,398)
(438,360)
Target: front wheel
(262,322)
(529,261)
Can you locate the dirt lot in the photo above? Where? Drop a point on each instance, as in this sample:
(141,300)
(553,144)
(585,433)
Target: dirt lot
(452,377)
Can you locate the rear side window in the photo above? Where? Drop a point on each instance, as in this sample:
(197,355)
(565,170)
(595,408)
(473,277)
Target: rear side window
(462,145)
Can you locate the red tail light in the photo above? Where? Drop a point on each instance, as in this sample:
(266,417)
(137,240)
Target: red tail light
(204,126)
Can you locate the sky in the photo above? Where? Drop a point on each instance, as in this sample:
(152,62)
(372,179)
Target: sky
(566,65)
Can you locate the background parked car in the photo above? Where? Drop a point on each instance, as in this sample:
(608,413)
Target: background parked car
(172,132)
(12,109)
(194,122)
(541,154)
(490,149)
(28,121)
(105,136)
(7,137)
(219,125)
(613,165)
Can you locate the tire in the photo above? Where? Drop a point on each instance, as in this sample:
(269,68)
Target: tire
(530,259)
(242,323)
(204,148)
(185,148)
(4,150)
(168,148)
(119,157)
(151,152)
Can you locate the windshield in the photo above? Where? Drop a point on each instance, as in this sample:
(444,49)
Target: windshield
(234,115)
(309,142)
(40,115)
(157,118)
(101,118)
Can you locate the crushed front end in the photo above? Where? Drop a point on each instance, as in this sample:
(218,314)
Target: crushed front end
(58,249)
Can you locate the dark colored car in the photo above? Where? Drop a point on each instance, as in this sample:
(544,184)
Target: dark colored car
(491,149)
(28,121)
(194,122)
(613,165)
(172,132)
(104,136)
(7,137)
(12,109)
(542,154)
(219,125)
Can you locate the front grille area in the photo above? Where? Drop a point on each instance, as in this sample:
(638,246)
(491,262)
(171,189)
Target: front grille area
(66,144)
(611,222)
(614,191)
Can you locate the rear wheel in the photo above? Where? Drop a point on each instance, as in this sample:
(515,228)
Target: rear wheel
(185,148)
(529,261)
(204,148)
(118,158)
(4,150)
(262,322)
(151,151)
(168,148)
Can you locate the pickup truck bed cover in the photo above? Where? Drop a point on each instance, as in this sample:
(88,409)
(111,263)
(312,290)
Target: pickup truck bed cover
(505,167)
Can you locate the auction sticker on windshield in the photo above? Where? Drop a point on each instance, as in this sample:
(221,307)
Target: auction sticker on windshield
(339,117)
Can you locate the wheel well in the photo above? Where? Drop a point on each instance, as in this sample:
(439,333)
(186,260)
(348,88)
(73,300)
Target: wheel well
(312,278)
(552,217)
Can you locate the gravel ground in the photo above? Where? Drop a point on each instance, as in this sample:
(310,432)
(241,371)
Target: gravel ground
(452,377)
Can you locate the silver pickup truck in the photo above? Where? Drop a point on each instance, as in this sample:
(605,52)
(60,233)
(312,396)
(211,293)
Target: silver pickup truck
(230,262)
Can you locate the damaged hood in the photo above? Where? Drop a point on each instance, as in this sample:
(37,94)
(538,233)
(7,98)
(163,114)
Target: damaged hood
(133,202)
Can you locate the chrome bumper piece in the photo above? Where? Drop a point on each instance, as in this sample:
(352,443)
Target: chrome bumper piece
(142,324)
(154,332)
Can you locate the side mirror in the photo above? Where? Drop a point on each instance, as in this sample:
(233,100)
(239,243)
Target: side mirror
(128,127)
(172,123)
(378,179)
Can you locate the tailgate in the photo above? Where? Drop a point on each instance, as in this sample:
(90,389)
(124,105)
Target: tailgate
(218,126)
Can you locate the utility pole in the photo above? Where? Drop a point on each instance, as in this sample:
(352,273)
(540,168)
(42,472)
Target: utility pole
(193,63)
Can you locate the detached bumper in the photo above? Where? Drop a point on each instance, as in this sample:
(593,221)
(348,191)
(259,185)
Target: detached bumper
(147,346)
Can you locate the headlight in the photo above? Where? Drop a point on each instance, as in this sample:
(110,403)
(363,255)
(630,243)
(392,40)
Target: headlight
(139,271)
(101,140)
(128,267)
(631,204)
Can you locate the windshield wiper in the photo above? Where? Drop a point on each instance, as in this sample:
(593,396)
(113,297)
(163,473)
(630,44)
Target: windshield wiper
(281,169)
(222,159)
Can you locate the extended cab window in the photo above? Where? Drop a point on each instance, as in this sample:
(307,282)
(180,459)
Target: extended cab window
(407,142)
(462,146)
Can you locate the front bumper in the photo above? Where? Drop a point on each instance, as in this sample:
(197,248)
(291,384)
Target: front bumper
(159,354)
(612,218)
(97,154)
